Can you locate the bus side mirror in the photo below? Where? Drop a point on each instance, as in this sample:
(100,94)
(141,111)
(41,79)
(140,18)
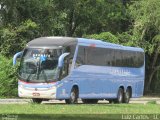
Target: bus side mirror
(61,59)
(16,56)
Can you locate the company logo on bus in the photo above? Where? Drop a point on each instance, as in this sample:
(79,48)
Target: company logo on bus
(41,55)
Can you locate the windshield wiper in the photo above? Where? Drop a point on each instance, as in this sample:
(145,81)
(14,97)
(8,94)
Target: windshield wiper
(28,78)
(45,76)
(32,72)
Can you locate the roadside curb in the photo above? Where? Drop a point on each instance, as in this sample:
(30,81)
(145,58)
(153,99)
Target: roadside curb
(25,101)
(14,100)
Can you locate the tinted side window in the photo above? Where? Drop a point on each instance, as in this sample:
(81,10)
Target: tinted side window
(132,59)
(71,50)
(140,59)
(123,58)
(118,58)
(109,57)
(96,56)
(81,56)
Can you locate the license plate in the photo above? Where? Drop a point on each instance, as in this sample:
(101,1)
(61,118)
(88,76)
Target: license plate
(36,94)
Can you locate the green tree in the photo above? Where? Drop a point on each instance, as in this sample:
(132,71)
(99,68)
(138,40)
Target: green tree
(146,17)
(90,16)
(56,18)
(8,78)
(105,36)
(14,39)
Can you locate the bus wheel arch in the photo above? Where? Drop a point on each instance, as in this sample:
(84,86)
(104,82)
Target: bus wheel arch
(77,89)
(74,94)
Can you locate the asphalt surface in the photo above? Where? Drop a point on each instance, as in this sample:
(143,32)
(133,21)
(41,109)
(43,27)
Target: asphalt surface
(143,100)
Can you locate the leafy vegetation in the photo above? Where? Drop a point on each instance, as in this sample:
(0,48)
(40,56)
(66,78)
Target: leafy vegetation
(8,78)
(147,31)
(14,39)
(105,36)
(127,22)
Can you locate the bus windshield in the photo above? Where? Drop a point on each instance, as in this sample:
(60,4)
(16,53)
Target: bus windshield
(39,65)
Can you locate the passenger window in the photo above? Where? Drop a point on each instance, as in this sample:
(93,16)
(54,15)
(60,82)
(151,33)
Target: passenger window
(80,60)
(66,68)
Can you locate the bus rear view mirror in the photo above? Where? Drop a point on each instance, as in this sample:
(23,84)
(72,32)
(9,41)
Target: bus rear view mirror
(61,59)
(17,55)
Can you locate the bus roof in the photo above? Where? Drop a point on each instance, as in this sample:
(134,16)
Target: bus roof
(52,41)
(101,43)
(66,41)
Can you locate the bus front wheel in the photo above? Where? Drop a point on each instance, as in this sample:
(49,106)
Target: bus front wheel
(73,96)
(111,101)
(37,100)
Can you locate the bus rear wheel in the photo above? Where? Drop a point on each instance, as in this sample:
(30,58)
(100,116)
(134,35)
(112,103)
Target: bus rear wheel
(73,96)
(127,96)
(111,101)
(89,101)
(37,100)
(120,96)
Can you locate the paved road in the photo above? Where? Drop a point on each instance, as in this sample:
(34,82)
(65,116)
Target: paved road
(142,100)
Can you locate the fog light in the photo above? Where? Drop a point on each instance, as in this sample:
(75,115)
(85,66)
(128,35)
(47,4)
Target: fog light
(52,94)
(53,87)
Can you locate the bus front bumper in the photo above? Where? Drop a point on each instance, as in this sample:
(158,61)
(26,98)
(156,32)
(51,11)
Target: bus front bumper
(46,93)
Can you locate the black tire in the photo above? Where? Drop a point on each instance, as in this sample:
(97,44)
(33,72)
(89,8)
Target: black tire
(90,101)
(37,100)
(73,96)
(120,96)
(111,101)
(127,96)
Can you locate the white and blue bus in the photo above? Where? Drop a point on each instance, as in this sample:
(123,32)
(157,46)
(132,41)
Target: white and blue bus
(65,68)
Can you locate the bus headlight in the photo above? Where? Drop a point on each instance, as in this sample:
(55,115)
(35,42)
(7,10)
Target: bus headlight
(60,85)
(21,86)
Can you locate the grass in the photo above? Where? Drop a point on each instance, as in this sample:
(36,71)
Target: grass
(79,111)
